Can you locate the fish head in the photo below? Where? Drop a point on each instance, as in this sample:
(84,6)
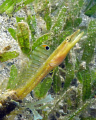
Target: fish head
(63,49)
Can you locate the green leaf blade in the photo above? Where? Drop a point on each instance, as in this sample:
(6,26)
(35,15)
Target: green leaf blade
(19,19)
(56,81)
(91,11)
(12,32)
(69,74)
(31,20)
(43,87)
(8,55)
(89,45)
(86,84)
(23,37)
(59,24)
(13,74)
(46,15)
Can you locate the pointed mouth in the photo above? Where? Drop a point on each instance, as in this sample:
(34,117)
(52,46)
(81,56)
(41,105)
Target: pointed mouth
(75,37)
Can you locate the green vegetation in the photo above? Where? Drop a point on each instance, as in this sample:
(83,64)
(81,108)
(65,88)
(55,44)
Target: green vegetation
(8,55)
(60,22)
(90,9)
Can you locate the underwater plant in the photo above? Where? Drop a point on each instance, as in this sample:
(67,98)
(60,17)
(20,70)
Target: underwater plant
(90,8)
(45,54)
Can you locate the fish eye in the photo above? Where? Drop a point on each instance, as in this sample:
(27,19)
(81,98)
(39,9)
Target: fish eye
(47,47)
(68,39)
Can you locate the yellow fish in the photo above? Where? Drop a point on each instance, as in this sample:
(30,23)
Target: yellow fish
(44,66)
(42,63)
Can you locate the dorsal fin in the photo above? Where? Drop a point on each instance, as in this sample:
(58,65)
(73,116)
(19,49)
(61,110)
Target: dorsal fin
(38,57)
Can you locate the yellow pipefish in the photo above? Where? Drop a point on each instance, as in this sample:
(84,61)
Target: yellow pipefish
(50,63)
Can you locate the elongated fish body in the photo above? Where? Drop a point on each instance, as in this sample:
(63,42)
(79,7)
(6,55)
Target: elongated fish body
(43,63)
(43,60)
